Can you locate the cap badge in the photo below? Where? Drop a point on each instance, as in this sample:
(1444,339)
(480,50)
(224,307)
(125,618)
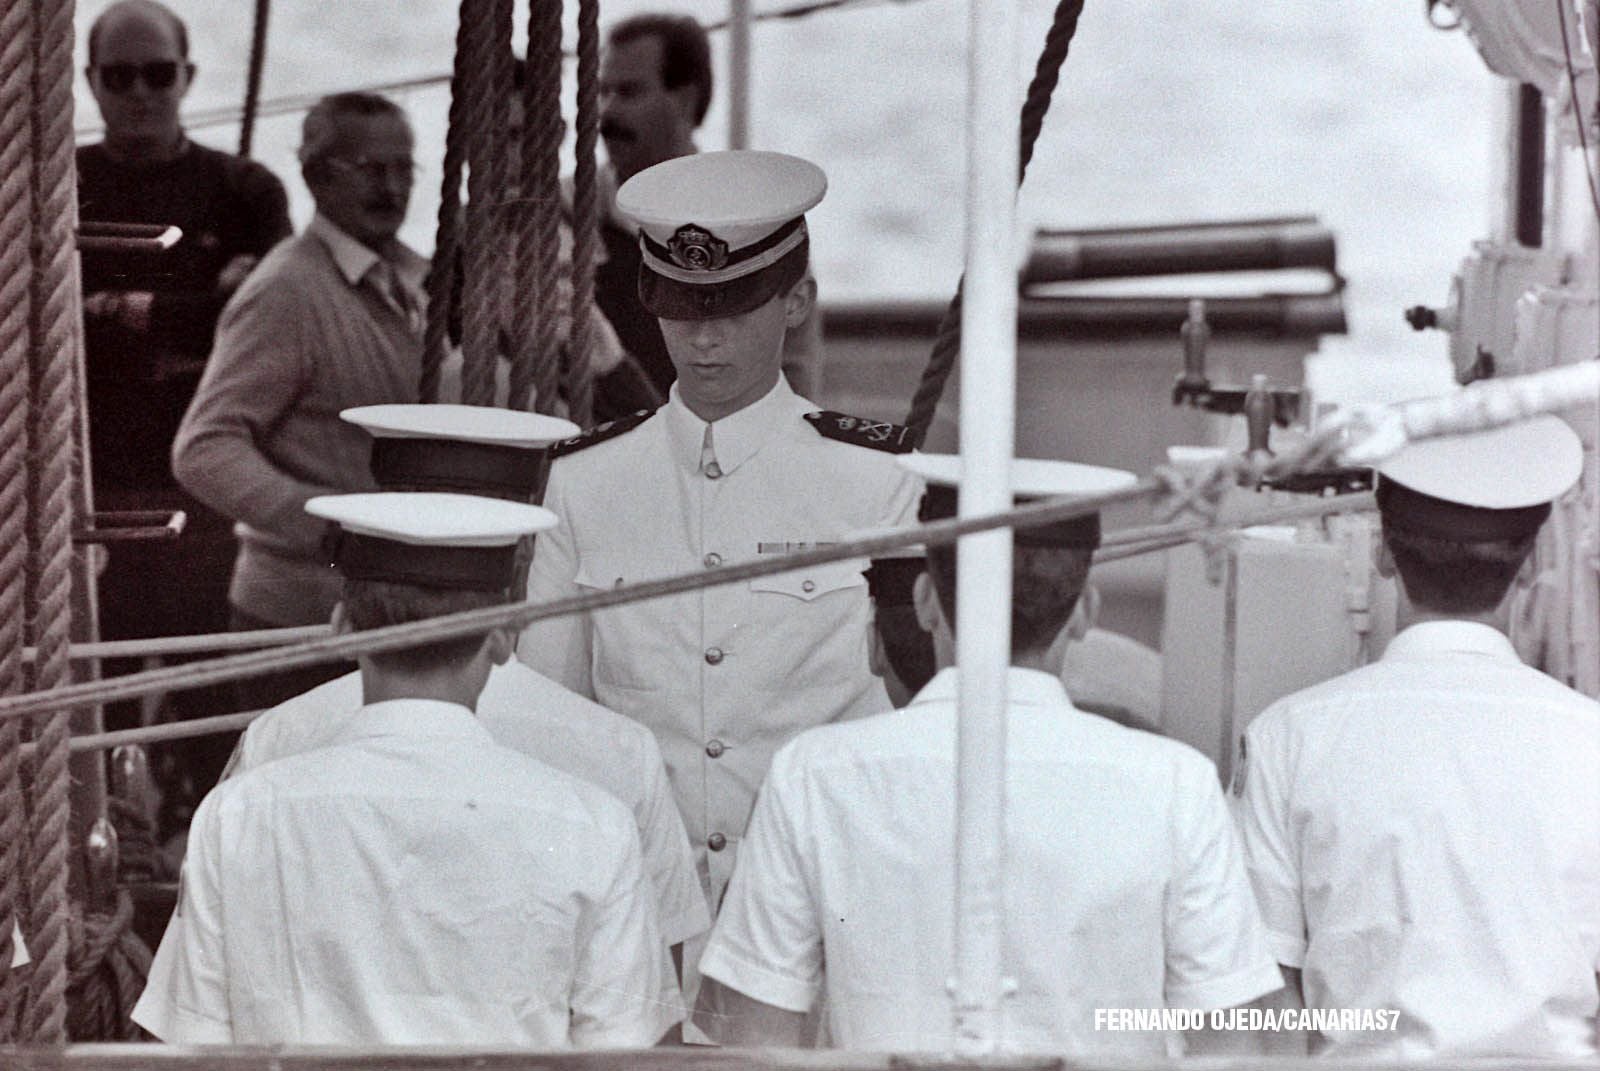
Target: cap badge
(697,249)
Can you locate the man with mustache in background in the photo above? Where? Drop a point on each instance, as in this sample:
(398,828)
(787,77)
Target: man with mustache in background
(655,89)
(332,319)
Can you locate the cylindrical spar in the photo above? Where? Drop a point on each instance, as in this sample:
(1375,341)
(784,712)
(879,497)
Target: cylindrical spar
(983,602)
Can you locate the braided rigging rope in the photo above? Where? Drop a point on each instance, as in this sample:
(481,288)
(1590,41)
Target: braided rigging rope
(585,224)
(16,224)
(252,85)
(947,345)
(535,373)
(441,281)
(542,178)
(485,38)
(53,357)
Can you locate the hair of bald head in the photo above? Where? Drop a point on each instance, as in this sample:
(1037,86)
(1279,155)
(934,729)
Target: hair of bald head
(321,133)
(1046,583)
(1450,577)
(143,7)
(685,52)
(370,604)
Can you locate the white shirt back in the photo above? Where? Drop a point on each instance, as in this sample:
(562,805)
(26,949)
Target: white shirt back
(412,883)
(1424,835)
(1125,885)
(531,714)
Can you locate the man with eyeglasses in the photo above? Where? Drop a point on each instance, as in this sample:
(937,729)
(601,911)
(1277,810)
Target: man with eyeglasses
(149,323)
(331,320)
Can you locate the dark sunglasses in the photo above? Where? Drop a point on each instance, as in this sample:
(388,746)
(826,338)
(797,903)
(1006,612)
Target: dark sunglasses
(157,74)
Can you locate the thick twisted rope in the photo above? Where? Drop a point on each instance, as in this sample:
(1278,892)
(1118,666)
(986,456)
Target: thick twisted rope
(16,224)
(252,85)
(108,967)
(517,615)
(486,35)
(441,280)
(533,276)
(537,370)
(947,345)
(55,320)
(585,200)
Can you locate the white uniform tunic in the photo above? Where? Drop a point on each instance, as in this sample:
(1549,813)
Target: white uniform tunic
(724,675)
(1424,835)
(531,714)
(1126,888)
(411,883)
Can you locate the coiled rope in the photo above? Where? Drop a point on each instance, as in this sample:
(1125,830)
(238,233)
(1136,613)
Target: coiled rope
(107,971)
(585,213)
(16,225)
(946,346)
(53,356)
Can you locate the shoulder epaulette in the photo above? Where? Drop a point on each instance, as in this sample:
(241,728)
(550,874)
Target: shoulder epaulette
(859,431)
(600,433)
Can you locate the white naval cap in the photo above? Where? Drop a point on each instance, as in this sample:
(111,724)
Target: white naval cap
(720,232)
(472,449)
(430,539)
(1030,478)
(1486,485)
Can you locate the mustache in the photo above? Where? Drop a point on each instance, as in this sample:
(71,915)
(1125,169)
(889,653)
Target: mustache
(615,131)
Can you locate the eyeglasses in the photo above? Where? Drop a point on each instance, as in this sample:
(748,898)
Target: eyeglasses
(378,171)
(157,74)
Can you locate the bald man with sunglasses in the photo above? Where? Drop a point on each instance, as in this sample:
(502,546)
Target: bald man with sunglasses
(149,319)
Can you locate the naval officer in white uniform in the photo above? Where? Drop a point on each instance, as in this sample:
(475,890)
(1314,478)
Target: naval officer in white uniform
(500,453)
(1424,832)
(734,467)
(1125,887)
(411,882)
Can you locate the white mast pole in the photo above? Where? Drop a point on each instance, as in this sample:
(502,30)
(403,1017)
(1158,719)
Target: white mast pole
(983,594)
(738,74)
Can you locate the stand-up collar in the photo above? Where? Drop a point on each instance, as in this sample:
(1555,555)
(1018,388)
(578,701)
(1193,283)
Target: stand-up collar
(415,718)
(1024,687)
(1431,639)
(735,438)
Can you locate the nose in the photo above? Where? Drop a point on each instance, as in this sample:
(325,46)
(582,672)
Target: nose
(705,334)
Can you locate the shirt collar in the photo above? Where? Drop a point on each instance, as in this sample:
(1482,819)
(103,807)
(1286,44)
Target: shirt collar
(354,259)
(415,718)
(1024,687)
(1430,639)
(737,437)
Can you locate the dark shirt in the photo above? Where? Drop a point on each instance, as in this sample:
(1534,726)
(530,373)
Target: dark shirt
(140,382)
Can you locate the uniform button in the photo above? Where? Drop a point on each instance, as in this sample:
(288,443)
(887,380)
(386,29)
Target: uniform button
(809,586)
(713,655)
(713,560)
(713,471)
(715,748)
(716,842)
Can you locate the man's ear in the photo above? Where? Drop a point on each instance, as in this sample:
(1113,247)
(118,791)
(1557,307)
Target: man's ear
(1085,614)
(1382,559)
(875,657)
(499,645)
(798,302)
(925,601)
